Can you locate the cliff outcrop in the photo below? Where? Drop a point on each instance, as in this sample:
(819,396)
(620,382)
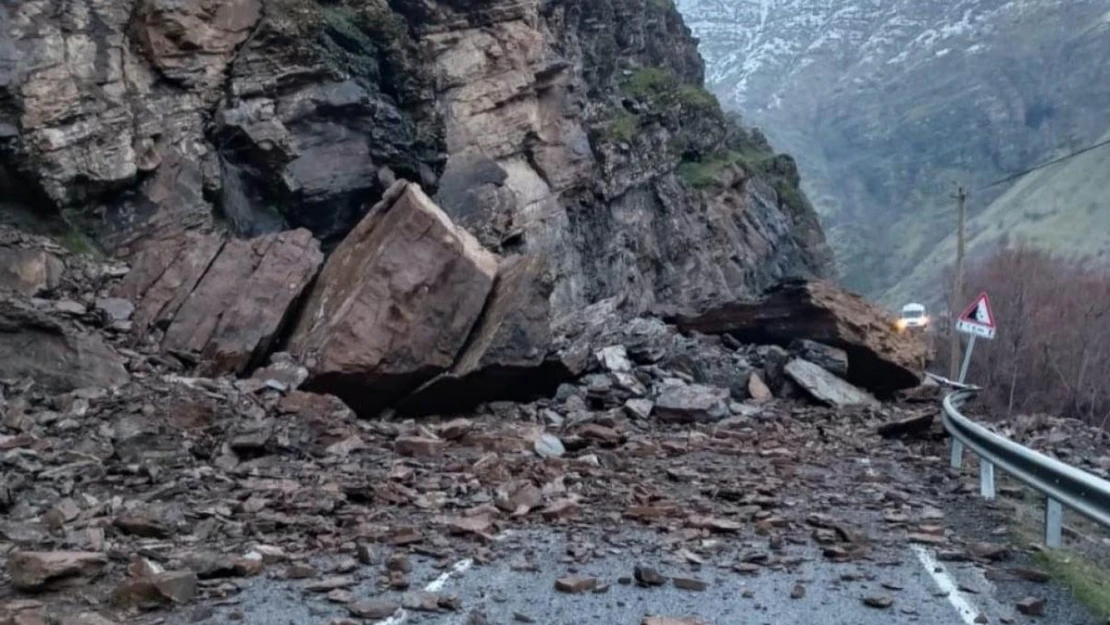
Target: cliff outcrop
(573,136)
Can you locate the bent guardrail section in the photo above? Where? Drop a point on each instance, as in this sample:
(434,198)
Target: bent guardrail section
(1062,484)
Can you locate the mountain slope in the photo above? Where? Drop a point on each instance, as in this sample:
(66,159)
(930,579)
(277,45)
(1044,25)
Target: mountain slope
(887,103)
(1063,207)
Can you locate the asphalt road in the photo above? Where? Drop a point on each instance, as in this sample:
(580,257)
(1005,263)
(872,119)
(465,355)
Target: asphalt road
(922,590)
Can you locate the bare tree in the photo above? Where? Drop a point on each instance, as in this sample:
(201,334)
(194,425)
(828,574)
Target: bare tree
(1052,350)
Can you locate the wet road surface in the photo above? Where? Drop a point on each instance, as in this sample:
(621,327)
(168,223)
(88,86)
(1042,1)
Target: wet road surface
(803,587)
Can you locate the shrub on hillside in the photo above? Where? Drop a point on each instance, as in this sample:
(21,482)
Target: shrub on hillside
(1052,350)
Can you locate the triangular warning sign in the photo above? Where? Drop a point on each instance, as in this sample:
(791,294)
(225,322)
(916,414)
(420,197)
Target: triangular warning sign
(979,312)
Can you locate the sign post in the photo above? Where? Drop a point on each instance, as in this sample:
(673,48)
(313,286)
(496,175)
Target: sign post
(977,320)
(967,359)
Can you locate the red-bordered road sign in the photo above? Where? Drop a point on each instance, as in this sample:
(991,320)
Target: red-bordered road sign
(978,318)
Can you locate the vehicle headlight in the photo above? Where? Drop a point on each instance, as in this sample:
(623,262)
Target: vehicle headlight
(900,324)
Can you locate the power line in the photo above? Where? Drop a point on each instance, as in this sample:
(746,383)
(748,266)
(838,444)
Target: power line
(1043,165)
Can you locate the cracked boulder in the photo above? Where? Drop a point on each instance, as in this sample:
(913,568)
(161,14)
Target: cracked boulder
(830,359)
(220,301)
(880,359)
(506,357)
(395,303)
(825,387)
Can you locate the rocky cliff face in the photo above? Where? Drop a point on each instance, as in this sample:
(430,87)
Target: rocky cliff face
(888,103)
(536,125)
(524,160)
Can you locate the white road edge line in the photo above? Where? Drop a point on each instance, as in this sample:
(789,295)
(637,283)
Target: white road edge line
(435,585)
(965,608)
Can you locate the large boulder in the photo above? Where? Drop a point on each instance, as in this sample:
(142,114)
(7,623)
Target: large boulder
(394,304)
(880,359)
(825,387)
(58,357)
(507,356)
(831,359)
(223,301)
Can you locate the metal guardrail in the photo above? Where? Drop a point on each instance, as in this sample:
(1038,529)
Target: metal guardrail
(1062,484)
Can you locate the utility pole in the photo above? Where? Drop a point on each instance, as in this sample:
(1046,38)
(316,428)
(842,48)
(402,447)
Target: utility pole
(957,286)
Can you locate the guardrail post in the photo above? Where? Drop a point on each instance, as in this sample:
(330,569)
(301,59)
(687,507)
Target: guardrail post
(1053,523)
(957,454)
(986,479)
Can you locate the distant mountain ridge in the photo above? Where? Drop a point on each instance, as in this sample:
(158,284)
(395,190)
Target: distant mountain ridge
(886,104)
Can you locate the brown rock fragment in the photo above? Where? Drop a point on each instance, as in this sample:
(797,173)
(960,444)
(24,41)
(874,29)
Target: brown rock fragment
(647,576)
(909,426)
(141,523)
(29,271)
(398,580)
(880,602)
(1032,606)
(419,446)
(156,591)
(398,562)
(715,524)
(59,357)
(560,509)
(374,609)
(928,539)
(456,429)
(35,570)
(575,585)
(758,389)
(989,551)
(300,571)
(329,584)
(600,433)
(479,524)
(689,583)
(28,617)
(1031,575)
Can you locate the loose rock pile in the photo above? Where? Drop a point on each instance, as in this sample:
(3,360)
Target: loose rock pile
(148,487)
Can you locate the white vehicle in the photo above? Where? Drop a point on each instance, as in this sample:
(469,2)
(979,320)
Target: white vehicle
(913,316)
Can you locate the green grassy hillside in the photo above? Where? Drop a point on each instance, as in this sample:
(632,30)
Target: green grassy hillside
(1063,208)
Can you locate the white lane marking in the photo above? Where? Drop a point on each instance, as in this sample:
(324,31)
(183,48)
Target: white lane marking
(967,610)
(438,583)
(435,585)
